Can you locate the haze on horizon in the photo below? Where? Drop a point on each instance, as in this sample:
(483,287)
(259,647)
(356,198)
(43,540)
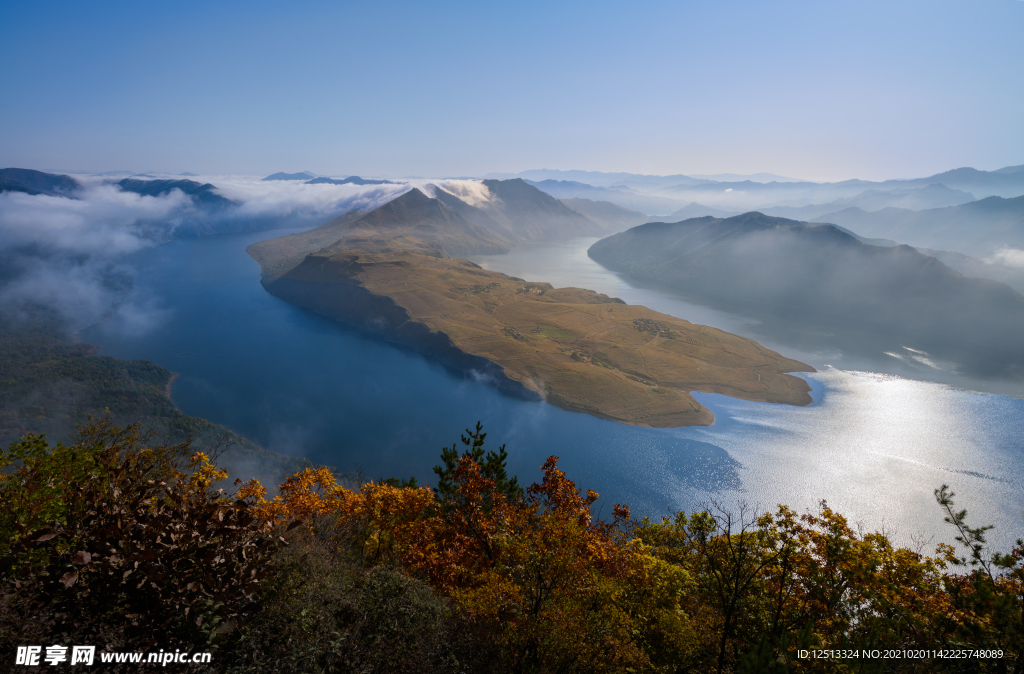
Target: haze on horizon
(823,92)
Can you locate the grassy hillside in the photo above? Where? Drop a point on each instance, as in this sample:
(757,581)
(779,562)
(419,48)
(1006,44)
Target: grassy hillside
(578,349)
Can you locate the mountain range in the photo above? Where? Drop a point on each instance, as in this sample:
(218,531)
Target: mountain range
(667,194)
(977,228)
(620,196)
(878,299)
(351,180)
(501,215)
(914,199)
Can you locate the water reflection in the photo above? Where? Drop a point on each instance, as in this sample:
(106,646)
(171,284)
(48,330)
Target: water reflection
(875,447)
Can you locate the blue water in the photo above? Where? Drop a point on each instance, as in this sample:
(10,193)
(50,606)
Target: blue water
(873,445)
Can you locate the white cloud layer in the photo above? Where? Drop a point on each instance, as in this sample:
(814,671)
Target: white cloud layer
(1008,257)
(69,254)
(473,192)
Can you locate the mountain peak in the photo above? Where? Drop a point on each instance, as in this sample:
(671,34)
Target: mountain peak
(304,175)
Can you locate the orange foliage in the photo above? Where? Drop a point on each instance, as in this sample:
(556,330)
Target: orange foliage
(562,591)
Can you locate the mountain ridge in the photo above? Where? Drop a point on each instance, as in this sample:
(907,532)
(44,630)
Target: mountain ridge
(975,228)
(30,181)
(441,226)
(788,272)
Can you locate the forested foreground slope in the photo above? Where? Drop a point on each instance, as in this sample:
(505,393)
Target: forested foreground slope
(104,541)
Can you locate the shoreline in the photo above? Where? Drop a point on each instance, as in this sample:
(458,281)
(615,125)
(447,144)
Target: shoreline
(167,389)
(604,392)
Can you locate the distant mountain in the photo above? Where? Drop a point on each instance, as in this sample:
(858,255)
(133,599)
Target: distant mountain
(737,193)
(36,182)
(914,199)
(503,214)
(620,196)
(972,266)
(696,210)
(515,210)
(599,179)
(976,228)
(202,194)
(552,186)
(766,189)
(412,222)
(351,180)
(525,213)
(189,175)
(755,177)
(878,299)
(749,194)
(305,175)
(1004,182)
(610,216)
(992,268)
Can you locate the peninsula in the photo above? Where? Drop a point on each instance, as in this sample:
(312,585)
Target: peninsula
(574,348)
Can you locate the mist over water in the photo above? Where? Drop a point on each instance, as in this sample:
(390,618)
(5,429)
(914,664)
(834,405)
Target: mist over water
(873,445)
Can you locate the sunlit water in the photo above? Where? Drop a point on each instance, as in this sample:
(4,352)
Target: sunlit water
(874,446)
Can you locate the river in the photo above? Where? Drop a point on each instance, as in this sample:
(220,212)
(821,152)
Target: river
(874,445)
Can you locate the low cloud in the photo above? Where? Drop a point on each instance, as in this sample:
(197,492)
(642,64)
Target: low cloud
(70,255)
(292,198)
(473,192)
(1008,257)
(103,221)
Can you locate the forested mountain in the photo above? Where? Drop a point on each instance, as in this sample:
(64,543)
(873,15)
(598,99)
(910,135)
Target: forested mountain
(783,271)
(36,182)
(202,195)
(977,228)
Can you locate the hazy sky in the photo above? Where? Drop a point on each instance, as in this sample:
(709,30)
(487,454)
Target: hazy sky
(821,90)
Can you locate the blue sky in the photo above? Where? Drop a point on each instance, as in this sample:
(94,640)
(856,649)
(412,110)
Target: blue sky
(820,90)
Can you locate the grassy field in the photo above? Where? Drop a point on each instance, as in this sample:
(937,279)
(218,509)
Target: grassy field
(578,349)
